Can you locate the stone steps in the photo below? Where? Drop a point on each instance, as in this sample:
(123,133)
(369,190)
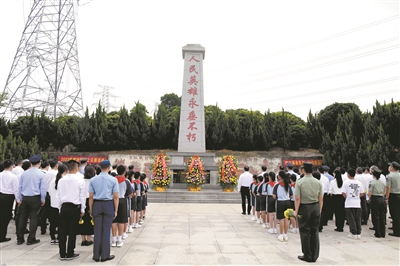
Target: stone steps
(203,196)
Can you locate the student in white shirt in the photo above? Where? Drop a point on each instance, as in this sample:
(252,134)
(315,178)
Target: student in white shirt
(54,212)
(337,200)
(364,181)
(352,190)
(282,193)
(71,197)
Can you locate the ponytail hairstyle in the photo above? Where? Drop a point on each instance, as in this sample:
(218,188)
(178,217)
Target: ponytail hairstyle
(62,168)
(286,179)
(271,176)
(130,175)
(266,178)
(338,177)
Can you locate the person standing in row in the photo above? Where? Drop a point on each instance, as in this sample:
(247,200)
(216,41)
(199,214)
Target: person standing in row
(271,204)
(103,202)
(337,200)
(253,198)
(282,193)
(376,191)
(393,196)
(71,197)
(325,209)
(31,196)
(50,175)
(8,192)
(86,229)
(308,204)
(244,182)
(352,190)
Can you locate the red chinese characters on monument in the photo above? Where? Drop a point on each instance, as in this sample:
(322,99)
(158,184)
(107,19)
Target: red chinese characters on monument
(192,91)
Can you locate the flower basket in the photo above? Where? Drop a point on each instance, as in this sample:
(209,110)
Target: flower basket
(195,175)
(228,173)
(161,177)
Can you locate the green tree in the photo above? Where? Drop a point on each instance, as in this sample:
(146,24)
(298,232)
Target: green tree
(313,131)
(140,126)
(170,100)
(216,126)
(160,127)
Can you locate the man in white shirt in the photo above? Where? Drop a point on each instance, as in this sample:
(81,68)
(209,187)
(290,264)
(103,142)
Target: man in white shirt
(244,182)
(8,192)
(83,165)
(50,174)
(364,181)
(71,197)
(325,208)
(18,167)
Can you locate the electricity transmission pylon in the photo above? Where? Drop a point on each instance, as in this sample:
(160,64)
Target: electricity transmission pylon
(105,98)
(46,58)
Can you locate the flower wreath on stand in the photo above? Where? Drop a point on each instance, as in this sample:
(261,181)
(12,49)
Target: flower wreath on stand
(228,172)
(161,176)
(195,175)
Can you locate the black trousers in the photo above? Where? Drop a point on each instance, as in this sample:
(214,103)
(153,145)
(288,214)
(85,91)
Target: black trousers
(54,217)
(45,212)
(68,224)
(308,227)
(245,193)
(337,203)
(29,208)
(364,210)
(354,220)
(325,211)
(6,203)
(394,209)
(378,214)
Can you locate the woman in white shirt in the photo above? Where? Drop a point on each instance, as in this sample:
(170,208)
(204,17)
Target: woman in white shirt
(335,191)
(54,213)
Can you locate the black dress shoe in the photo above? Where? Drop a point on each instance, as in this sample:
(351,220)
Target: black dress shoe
(31,242)
(26,231)
(96,260)
(5,240)
(371,228)
(390,228)
(20,242)
(88,243)
(392,234)
(243,213)
(109,258)
(84,243)
(337,230)
(303,258)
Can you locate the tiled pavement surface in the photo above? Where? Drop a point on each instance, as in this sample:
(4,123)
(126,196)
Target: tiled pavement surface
(210,234)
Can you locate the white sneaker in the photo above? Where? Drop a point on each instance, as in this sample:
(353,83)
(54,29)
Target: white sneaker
(259,221)
(290,226)
(272,231)
(358,236)
(267,225)
(124,236)
(281,238)
(130,230)
(141,222)
(113,244)
(119,244)
(293,230)
(352,236)
(137,226)
(253,218)
(297,230)
(285,238)
(264,226)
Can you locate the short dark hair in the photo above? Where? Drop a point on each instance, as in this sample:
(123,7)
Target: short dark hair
(114,166)
(53,163)
(317,175)
(260,178)
(7,163)
(121,169)
(308,168)
(19,161)
(246,168)
(44,164)
(114,174)
(71,165)
(321,169)
(89,172)
(136,175)
(142,177)
(25,165)
(264,168)
(359,170)
(351,172)
(130,167)
(293,177)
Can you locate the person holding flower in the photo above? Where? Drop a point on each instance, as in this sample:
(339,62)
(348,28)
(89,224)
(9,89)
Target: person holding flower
(308,203)
(282,193)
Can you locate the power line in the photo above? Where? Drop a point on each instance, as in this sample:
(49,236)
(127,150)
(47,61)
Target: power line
(315,66)
(316,41)
(330,90)
(326,77)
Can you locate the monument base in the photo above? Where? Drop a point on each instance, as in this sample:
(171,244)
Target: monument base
(178,162)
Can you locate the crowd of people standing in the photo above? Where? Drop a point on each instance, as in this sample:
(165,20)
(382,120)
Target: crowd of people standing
(101,201)
(316,196)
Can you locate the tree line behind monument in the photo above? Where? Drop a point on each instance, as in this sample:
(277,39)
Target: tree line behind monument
(343,134)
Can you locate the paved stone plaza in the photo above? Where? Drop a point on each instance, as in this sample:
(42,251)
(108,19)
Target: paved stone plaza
(211,234)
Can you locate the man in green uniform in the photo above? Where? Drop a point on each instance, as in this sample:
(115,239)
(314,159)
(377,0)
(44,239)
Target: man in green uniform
(393,196)
(308,204)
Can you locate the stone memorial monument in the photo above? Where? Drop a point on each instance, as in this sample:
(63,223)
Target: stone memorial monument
(192,139)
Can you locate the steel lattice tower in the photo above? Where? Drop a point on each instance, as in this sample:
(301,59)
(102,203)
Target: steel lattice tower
(46,58)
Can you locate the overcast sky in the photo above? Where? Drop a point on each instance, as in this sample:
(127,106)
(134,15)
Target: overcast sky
(259,54)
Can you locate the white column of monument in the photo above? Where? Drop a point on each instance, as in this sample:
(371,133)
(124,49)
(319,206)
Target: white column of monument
(191,127)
